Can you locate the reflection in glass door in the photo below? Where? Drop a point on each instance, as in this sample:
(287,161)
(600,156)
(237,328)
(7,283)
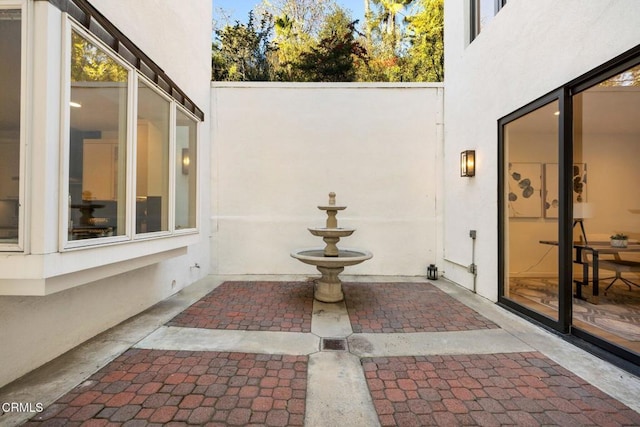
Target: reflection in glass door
(530,211)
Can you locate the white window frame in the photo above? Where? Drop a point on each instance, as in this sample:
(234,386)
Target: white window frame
(172,103)
(25,17)
(130,235)
(65,242)
(173,171)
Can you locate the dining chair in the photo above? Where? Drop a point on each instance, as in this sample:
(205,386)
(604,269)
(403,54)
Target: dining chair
(619,266)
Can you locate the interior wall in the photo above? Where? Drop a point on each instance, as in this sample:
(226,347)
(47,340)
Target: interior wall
(527,256)
(526,51)
(610,192)
(37,329)
(281,148)
(613,189)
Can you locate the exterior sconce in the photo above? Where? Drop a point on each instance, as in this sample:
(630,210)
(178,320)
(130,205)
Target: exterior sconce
(185,161)
(432,272)
(468,163)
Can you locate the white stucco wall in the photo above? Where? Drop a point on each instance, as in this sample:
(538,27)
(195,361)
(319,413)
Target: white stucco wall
(529,49)
(34,330)
(279,149)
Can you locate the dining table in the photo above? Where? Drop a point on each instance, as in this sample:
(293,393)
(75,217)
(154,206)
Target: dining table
(582,250)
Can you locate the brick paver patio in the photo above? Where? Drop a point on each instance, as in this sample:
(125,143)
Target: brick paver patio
(408,307)
(523,389)
(144,387)
(169,387)
(253,306)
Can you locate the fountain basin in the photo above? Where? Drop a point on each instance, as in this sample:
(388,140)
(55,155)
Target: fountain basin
(332,232)
(345,258)
(329,287)
(331,207)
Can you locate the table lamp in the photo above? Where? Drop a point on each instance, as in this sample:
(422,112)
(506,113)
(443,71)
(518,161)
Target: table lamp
(580,212)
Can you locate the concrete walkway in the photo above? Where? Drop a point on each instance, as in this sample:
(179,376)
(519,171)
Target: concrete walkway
(327,376)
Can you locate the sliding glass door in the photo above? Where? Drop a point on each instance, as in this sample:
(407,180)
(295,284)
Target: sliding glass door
(530,210)
(569,182)
(606,140)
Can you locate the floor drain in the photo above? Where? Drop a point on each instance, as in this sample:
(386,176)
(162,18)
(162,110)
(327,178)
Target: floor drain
(334,344)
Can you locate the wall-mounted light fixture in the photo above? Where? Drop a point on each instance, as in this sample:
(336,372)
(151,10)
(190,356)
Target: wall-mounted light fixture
(185,161)
(468,163)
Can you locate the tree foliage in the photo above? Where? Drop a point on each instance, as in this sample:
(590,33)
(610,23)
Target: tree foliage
(241,51)
(306,16)
(425,57)
(316,40)
(385,21)
(335,57)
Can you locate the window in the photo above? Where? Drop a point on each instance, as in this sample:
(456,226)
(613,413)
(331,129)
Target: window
(97,142)
(482,12)
(186,173)
(10,124)
(152,161)
(122,140)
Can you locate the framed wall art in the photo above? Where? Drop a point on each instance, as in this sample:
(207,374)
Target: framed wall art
(551,196)
(525,190)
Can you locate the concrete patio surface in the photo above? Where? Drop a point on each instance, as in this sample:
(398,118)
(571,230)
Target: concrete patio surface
(261,351)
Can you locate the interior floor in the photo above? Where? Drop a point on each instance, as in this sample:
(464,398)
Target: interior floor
(615,317)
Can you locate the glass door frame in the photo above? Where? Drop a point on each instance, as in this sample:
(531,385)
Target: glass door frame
(607,70)
(565,214)
(620,356)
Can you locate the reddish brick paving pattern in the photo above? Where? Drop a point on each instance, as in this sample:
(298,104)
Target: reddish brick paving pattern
(524,389)
(408,307)
(253,306)
(143,387)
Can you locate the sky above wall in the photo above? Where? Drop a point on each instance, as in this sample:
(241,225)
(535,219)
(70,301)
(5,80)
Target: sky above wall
(239,9)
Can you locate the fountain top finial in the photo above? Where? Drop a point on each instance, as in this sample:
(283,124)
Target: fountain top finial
(332,198)
(331,206)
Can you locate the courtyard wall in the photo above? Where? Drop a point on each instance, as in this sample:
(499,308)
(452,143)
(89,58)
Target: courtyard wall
(280,148)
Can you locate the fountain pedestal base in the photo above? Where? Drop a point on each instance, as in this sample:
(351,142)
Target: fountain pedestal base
(329,287)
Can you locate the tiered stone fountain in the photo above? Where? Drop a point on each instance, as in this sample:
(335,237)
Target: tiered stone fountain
(331,261)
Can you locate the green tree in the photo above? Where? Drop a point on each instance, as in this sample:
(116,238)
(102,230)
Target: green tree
(241,51)
(385,40)
(425,56)
(334,58)
(315,40)
(368,19)
(306,16)
(384,23)
(291,42)
(297,27)
(389,18)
